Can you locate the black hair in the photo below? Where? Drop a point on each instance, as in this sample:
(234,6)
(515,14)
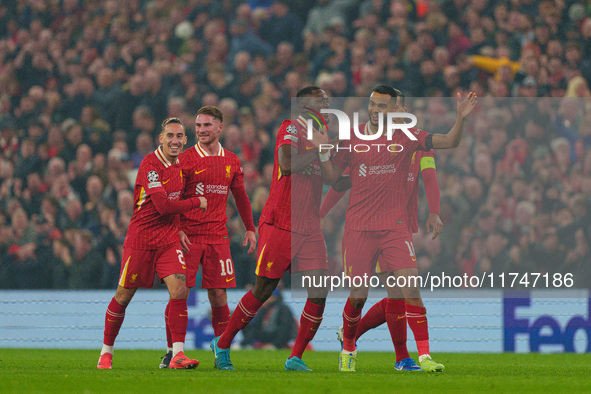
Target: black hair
(307,91)
(385,89)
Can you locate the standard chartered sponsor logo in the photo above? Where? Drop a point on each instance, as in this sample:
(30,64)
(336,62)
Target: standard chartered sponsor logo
(385,169)
(377,170)
(217,189)
(362,170)
(312,169)
(174,196)
(199,188)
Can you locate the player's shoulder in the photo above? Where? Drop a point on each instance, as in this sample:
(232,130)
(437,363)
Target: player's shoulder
(187,153)
(188,157)
(149,160)
(288,126)
(417,130)
(231,157)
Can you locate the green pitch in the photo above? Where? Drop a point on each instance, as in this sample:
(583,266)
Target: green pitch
(136,371)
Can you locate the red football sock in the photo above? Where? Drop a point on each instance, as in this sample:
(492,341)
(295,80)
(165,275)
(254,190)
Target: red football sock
(351,317)
(245,311)
(168,334)
(309,323)
(113,321)
(396,318)
(220,316)
(375,316)
(178,318)
(417,320)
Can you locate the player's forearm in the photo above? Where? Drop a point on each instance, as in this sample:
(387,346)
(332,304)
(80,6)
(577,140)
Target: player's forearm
(330,172)
(331,199)
(452,138)
(296,163)
(342,184)
(431,189)
(166,207)
(244,207)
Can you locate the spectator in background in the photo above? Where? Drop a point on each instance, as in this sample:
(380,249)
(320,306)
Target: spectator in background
(75,78)
(281,24)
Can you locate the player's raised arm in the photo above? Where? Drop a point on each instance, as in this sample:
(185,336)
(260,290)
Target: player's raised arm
(330,171)
(336,192)
(454,136)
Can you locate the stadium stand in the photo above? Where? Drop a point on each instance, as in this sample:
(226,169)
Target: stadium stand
(85,84)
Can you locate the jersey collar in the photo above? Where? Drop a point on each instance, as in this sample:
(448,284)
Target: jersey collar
(162,158)
(201,152)
(302,121)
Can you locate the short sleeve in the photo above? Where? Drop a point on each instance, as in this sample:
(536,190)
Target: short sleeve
(288,134)
(424,140)
(150,178)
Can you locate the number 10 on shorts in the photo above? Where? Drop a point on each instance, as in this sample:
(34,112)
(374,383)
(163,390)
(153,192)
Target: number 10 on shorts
(227,267)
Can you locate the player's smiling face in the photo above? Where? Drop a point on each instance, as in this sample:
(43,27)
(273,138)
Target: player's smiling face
(173,138)
(317,100)
(207,129)
(383,103)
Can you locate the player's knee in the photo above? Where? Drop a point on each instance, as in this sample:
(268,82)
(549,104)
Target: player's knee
(177,286)
(357,302)
(262,294)
(217,297)
(123,296)
(317,301)
(416,301)
(317,293)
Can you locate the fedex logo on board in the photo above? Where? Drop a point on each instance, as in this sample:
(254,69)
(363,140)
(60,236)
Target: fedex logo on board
(544,329)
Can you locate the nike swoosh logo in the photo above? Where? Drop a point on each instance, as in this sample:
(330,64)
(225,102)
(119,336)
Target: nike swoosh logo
(309,147)
(183,315)
(244,321)
(401,317)
(351,325)
(112,320)
(199,172)
(422,321)
(230,279)
(165,182)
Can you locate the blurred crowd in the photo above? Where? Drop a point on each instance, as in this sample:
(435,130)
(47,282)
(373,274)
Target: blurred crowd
(84,86)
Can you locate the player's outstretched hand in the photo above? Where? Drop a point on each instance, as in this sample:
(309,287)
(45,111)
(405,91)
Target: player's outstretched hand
(251,240)
(203,204)
(319,138)
(434,221)
(184,241)
(466,106)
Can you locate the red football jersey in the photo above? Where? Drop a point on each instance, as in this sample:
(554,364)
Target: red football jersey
(419,161)
(211,177)
(379,180)
(300,214)
(148,230)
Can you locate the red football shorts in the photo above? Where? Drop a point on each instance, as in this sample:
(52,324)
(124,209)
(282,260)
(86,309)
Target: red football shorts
(280,250)
(138,266)
(370,252)
(217,267)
